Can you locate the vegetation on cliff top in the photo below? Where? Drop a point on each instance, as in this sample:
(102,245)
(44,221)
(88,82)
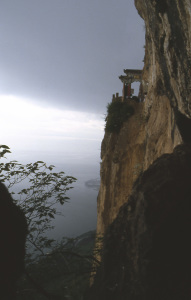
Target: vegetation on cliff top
(117,113)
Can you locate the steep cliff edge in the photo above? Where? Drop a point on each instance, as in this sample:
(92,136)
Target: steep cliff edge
(161,122)
(122,156)
(168,58)
(146,253)
(168,44)
(146,247)
(150,132)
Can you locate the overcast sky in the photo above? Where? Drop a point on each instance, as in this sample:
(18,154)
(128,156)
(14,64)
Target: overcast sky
(68,53)
(64,55)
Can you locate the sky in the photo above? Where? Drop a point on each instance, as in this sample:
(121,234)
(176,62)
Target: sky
(59,66)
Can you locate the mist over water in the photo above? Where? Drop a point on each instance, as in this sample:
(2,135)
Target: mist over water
(80,212)
(80,159)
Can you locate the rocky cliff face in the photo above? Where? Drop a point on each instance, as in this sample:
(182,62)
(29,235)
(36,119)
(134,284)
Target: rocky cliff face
(162,122)
(146,253)
(150,132)
(159,198)
(168,44)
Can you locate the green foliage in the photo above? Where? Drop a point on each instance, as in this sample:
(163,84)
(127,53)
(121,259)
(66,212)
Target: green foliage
(53,270)
(44,189)
(3,150)
(117,113)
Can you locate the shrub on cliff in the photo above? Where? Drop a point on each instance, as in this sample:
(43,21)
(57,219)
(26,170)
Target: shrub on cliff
(117,113)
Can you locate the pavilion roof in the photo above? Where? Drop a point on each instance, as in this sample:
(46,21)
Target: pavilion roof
(132,71)
(131,75)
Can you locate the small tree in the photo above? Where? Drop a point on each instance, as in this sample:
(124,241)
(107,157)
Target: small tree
(63,271)
(44,189)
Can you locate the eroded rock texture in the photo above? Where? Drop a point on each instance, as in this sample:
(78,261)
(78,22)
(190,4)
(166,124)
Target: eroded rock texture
(167,67)
(147,248)
(146,253)
(164,120)
(13,231)
(168,37)
(122,158)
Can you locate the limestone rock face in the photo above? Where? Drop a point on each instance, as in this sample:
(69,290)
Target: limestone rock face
(122,158)
(168,49)
(167,71)
(147,248)
(142,139)
(163,120)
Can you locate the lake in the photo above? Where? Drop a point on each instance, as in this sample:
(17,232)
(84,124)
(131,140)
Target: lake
(82,162)
(80,213)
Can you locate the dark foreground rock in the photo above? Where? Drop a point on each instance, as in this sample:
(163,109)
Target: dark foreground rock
(147,249)
(13,231)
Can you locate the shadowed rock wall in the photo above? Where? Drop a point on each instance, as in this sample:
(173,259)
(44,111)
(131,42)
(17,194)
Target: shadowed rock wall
(146,253)
(13,232)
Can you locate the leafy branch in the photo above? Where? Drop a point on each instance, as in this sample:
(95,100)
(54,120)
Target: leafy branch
(44,189)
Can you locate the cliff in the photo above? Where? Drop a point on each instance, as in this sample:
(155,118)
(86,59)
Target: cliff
(146,253)
(161,122)
(145,219)
(150,132)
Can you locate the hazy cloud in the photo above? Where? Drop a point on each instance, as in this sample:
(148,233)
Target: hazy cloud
(68,53)
(28,126)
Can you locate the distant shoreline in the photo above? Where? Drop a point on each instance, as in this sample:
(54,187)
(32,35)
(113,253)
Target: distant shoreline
(93,184)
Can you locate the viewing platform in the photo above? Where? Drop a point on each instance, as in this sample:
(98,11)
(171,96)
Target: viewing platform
(131,75)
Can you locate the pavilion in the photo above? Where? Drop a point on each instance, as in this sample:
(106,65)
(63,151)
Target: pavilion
(132,75)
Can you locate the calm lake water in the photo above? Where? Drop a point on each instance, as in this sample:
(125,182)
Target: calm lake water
(80,212)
